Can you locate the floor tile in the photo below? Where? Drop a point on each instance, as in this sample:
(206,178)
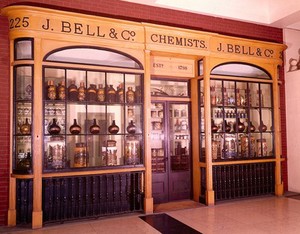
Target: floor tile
(263,215)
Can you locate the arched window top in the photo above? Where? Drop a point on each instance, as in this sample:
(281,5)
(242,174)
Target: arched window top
(93,56)
(240,69)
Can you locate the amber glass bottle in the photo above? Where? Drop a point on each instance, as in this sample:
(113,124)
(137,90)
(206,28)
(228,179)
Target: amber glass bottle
(26,127)
(54,128)
(101,93)
(92,93)
(61,91)
(75,128)
(72,91)
(113,128)
(81,92)
(111,94)
(120,93)
(130,96)
(95,128)
(51,90)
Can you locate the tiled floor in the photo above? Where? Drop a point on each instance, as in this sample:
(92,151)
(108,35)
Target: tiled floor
(254,216)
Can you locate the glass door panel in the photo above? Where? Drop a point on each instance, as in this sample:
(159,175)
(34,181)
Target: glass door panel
(157,138)
(179,133)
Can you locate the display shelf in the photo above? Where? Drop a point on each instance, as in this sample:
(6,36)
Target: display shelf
(241,120)
(100,119)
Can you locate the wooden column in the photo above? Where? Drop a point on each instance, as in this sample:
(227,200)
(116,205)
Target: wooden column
(278,181)
(195,139)
(11,214)
(37,137)
(148,201)
(210,195)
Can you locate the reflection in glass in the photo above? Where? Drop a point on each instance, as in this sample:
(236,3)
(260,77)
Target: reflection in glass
(157,139)
(23,83)
(23,49)
(93,56)
(179,137)
(169,88)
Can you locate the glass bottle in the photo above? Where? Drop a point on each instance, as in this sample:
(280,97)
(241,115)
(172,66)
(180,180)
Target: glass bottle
(92,93)
(259,98)
(248,99)
(80,155)
(240,127)
(75,129)
(73,91)
(81,92)
(61,91)
(131,128)
(240,99)
(252,127)
(111,94)
(231,98)
(213,99)
(95,128)
(51,90)
(132,151)
(113,128)
(216,148)
(26,127)
(101,93)
(138,94)
(25,163)
(183,125)
(177,126)
(57,155)
(225,98)
(262,127)
(54,128)
(214,127)
(262,147)
(227,127)
(120,93)
(245,146)
(130,96)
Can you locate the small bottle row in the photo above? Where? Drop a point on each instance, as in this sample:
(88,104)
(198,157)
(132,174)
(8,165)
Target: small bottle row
(75,128)
(235,97)
(101,94)
(238,126)
(230,114)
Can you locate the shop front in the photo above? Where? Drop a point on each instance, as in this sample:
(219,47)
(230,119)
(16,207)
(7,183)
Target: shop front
(112,116)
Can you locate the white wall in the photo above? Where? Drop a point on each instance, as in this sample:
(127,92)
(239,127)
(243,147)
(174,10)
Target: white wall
(292,82)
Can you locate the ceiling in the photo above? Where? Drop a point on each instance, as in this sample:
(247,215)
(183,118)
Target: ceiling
(275,13)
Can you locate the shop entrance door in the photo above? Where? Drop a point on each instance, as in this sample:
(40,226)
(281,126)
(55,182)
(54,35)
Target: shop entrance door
(170,151)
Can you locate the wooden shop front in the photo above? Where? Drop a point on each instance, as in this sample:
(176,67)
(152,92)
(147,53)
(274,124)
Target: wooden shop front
(110,116)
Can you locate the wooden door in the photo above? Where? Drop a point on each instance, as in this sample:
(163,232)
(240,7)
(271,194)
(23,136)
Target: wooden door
(170,150)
